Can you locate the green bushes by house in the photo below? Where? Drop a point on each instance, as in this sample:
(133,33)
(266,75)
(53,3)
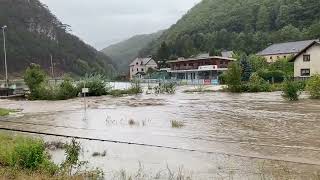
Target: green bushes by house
(313,86)
(258,84)
(254,74)
(292,90)
(233,77)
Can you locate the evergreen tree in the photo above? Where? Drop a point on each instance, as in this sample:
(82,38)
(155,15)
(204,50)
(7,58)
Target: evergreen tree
(163,54)
(263,20)
(283,16)
(233,77)
(246,68)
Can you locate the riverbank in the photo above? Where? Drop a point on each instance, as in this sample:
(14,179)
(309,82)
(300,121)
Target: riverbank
(23,157)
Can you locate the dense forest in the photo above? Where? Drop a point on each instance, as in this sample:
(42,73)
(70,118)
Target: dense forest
(33,34)
(124,52)
(239,25)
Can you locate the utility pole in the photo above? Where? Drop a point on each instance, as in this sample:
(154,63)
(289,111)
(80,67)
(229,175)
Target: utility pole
(5,54)
(52,67)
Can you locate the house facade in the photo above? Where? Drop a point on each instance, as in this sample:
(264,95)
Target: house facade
(283,50)
(140,66)
(203,67)
(307,61)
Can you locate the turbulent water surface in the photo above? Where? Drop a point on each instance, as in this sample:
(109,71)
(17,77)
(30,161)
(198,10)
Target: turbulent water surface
(240,136)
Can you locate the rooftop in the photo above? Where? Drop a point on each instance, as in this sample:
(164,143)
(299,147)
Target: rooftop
(201,57)
(286,48)
(228,54)
(143,60)
(305,49)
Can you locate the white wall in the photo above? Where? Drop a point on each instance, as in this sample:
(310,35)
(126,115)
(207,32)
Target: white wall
(313,65)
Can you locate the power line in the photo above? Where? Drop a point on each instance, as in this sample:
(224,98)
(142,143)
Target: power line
(201,139)
(165,147)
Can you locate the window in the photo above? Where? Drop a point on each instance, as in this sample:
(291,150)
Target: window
(271,57)
(141,63)
(185,64)
(221,62)
(306,58)
(305,72)
(142,69)
(137,63)
(285,56)
(137,69)
(191,64)
(132,70)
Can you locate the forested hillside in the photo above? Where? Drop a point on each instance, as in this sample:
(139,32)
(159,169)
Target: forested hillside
(34,33)
(240,25)
(124,52)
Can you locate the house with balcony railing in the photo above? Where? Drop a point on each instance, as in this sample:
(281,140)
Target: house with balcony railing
(202,67)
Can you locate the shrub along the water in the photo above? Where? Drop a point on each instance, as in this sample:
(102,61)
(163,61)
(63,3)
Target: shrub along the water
(26,158)
(166,87)
(133,90)
(233,77)
(41,89)
(292,90)
(4,112)
(25,153)
(313,86)
(136,87)
(67,89)
(96,83)
(258,84)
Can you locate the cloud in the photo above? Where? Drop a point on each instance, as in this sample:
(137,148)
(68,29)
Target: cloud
(103,22)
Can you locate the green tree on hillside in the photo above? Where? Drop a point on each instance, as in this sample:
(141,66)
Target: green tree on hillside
(248,26)
(163,54)
(263,20)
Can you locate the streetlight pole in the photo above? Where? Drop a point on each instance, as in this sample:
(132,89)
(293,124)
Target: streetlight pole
(5,54)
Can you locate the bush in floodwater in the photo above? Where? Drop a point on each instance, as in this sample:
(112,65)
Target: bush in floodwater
(63,91)
(135,88)
(258,84)
(96,84)
(66,90)
(4,112)
(291,90)
(313,86)
(233,77)
(34,76)
(177,124)
(167,87)
(117,92)
(131,122)
(103,154)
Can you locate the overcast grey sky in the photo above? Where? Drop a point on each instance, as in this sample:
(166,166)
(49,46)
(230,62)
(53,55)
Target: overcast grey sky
(103,22)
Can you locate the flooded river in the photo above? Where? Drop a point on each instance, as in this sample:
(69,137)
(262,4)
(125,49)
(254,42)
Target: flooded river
(225,136)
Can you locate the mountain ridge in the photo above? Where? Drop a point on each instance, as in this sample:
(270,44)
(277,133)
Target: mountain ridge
(124,52)
(247,26)
(34,33)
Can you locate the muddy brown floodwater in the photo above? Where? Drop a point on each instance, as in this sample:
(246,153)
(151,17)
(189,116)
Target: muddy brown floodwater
(225,136)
